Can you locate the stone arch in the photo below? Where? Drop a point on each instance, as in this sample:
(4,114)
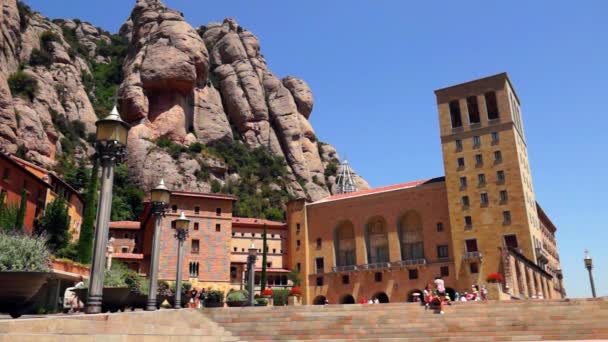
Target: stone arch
(347,299)
(411,298)
(376,240)
(319,300)
(411,236)
(344,244)
(381,296)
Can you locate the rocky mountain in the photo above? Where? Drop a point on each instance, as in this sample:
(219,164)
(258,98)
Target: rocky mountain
(207,113)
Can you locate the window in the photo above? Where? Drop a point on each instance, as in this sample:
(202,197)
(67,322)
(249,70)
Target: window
(319,281)
(442,251)
(463,182)
(474,268)
(298,267)
(274,251)
(378,277)
(476,141)
(439,226)
(478,160)
(194,247)
(125,249)
(481,178)
(444,271)
(465,201)
(511,241)
(193,268)
(471,245)
(218,211)
(196,226)
(504,197)
(506,217)
(497,157)
(460,162)
(491,105)
(297,228)
(298,244)
(126,235)
(269,264)
(412,274)
(319,243)
(197,210)
(235,249)
(218,227)
(319,262)
(483,198)
(495,138)
(242,234)
(173,224)
(242,249)
(458,143)
(345,279)
(468,222)
(500,177)
(473,109)
(455,114)
(174,208)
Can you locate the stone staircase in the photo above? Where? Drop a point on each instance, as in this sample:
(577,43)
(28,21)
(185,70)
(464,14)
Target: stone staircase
(163,325)
(583,319)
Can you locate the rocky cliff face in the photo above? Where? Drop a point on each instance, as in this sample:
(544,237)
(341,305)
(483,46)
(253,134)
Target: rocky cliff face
(192,96)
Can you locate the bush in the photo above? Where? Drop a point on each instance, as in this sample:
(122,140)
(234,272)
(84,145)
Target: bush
(164,289)
(295,291)
(8,216)
(279,297)
(20,252)
(261,302)
(23,84)
(119,275)
(55,224)
(214,296)
(237,296)
(186,286)
(41,57)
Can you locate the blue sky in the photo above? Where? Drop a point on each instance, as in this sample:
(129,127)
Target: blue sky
(373,66)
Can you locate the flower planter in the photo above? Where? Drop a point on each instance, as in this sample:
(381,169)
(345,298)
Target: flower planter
(213,304)
(171,300)
(17,289)
(236,304)
(114,298)
(137,300)
(294,300)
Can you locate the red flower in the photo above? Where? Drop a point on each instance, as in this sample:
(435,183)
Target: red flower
(295,291)
(267,292)
(494,278)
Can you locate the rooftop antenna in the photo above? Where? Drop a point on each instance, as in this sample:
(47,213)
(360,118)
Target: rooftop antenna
(344,181)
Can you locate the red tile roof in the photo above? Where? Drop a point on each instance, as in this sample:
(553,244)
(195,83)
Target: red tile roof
(248,221)
(374,190)
(127,256)
(134,225)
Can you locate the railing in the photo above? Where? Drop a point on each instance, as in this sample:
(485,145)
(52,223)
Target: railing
(344,268)
(541,254)
(410,262)
(375,266)
(472,256)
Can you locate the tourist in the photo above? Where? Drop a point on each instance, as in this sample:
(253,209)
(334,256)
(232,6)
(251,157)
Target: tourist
(376,301)
(70,297)
(326,301)
(192,301)
(456,296)
(370,301)
(484,292)
(440,285)
(540,296)
(428,296)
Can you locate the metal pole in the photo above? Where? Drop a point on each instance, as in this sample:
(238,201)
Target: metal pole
(151,305)
(178,278)
(104,208)
(251,283)
(591,281)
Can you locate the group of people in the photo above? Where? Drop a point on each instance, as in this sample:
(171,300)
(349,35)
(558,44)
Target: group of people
(475,294)
(435,295)
(369,301)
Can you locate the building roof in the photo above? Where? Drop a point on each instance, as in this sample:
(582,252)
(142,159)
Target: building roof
(204,195)
(498,77)
(137,256)
(11,159)
(379,190)
(256,222)
(132,225)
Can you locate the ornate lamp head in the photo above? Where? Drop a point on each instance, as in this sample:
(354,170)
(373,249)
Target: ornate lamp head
(588,260)
(182,225)
(112,129)
(252,250)
(160,194)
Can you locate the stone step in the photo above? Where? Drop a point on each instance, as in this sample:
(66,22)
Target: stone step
(111,338)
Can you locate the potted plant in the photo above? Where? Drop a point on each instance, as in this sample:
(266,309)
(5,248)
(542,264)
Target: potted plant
(116,288)
(25,263)
(295,295)
(214,299)
(186,287)
(268,294)
(140,287)
(163,293)
(237,298)
(261,302)
(496,279)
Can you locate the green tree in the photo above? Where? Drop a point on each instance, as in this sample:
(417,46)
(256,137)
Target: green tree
(87,230)
(21,213)
(55,223)
(127,198)
(8,214)
(264,257)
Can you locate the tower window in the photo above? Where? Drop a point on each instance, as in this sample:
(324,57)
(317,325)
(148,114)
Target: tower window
(439,227)
(412,274)
(455,114)
(484,199)
(474,268)
(319,262)
(460,163)
(319,243)
(481,178)
(491,105)
(476,141)
(504,197)
(298,244)
(473,109)
(506,217)
(495,138)
(465,201)
(297,228)
(497,156)
(442,252)
(500,176)
(458,144)
(218,227)
(298,267)
(471,245)
(463,182)
(511,241)
(478,160)
(468,222)
(194,247)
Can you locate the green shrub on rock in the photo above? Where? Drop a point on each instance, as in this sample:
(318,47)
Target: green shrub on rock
(23,84)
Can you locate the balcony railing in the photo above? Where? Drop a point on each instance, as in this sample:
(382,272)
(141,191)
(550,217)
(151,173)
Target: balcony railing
(346,268)
(410,262)
(375,266)
(541,255)
(472,256)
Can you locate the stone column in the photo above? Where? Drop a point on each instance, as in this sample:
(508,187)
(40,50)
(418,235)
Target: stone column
(523,279)
(530,277)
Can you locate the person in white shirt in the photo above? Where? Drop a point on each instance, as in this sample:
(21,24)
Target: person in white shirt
(440,285)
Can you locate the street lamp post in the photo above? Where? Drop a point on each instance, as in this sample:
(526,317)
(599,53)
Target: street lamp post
(159,199)
(181,232)
(251,272)
(589,266)
(110,143)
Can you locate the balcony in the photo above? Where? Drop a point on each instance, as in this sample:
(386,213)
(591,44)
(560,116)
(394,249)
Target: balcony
(541,255)
(472,256)
(347,268)
(375,266)
(410,262)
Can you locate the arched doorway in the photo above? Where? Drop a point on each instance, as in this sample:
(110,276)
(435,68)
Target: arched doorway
(382,297)
(413,298)
(451,292)
(319,300)
(347,299)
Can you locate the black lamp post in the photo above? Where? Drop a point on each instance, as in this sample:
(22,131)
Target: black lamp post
(251,269)
(589,266)
(110,143)
(159,199)
(181,232)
